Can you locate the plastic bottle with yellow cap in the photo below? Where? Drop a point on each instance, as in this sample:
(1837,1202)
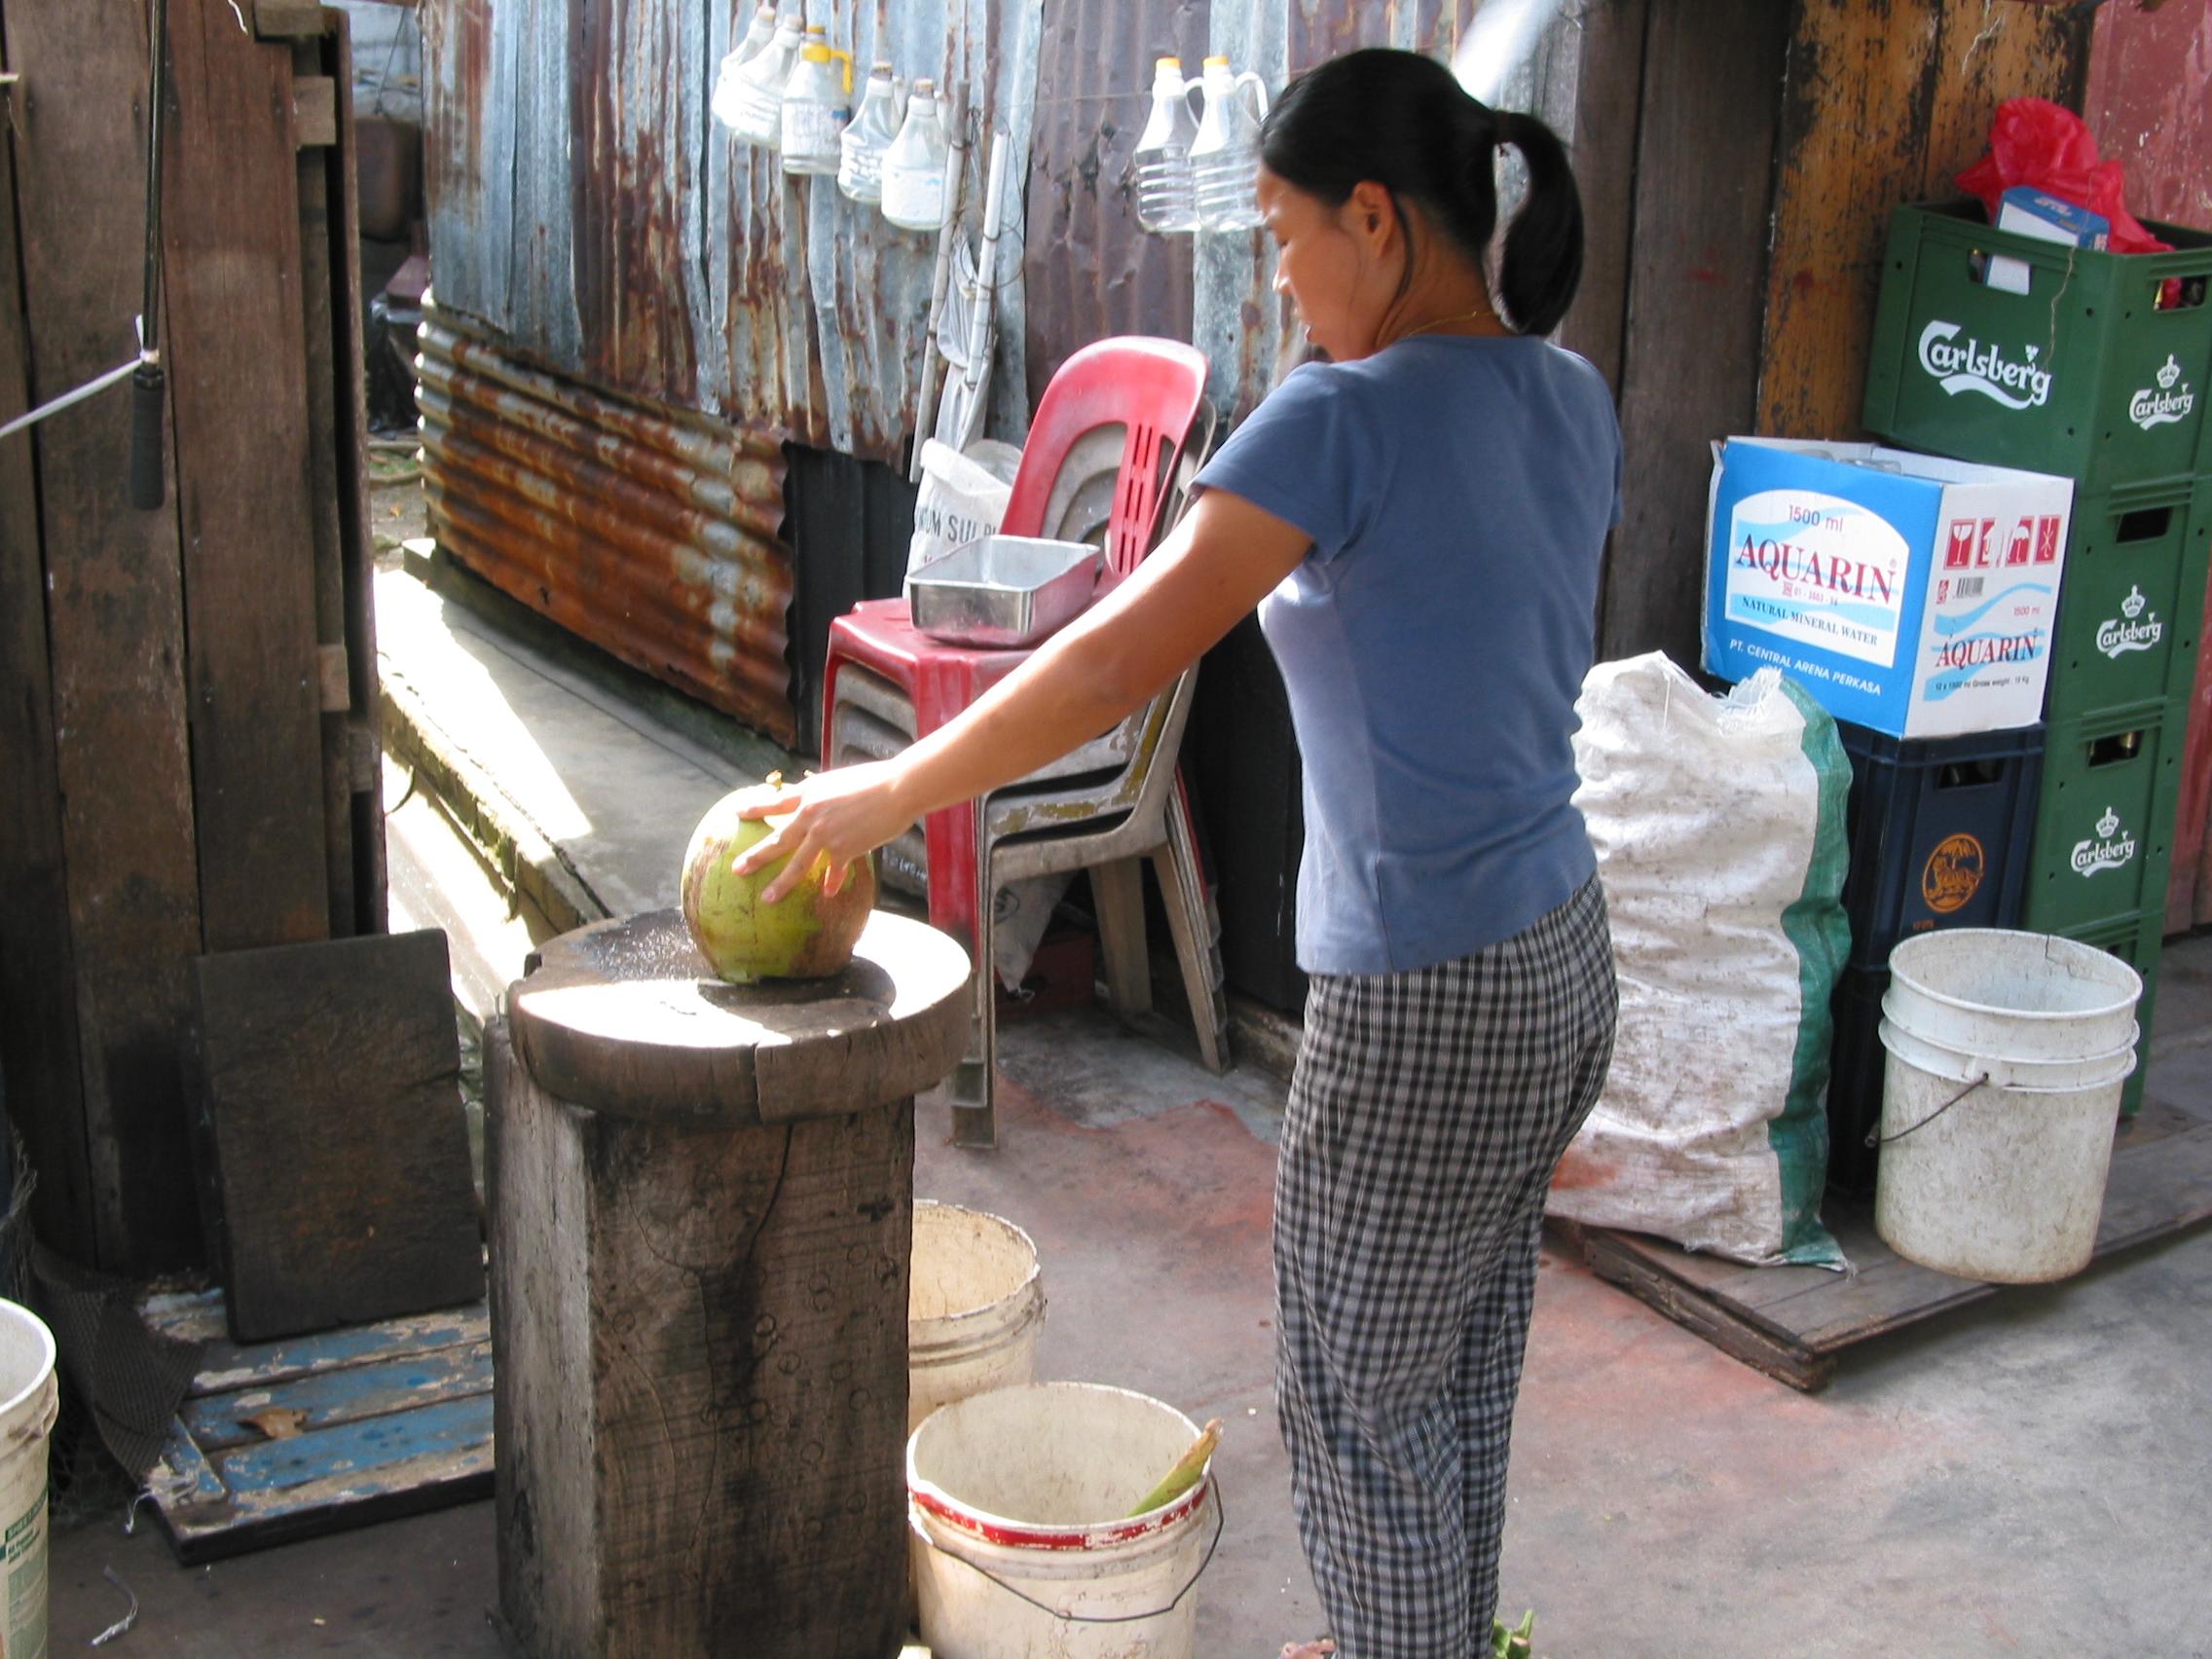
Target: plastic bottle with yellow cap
(1161,163)
(818,101)
(1225,155)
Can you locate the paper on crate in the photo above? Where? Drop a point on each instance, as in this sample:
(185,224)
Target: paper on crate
(2032,212)
(1907,593)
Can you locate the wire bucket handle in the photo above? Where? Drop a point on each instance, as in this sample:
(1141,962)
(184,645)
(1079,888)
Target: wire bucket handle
(1220,1520)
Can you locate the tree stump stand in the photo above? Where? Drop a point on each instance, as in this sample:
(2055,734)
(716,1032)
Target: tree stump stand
(701,1208)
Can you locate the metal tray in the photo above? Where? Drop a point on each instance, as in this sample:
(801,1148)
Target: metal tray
(1003,590)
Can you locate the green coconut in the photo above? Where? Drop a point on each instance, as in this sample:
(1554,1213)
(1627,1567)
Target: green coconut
(804,935)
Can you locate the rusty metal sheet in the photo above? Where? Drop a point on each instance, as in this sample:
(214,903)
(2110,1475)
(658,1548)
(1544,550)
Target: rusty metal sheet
(647,531)
(585,207)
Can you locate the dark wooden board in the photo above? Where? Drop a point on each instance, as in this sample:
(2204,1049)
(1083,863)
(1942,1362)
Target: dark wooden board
(1697,288)
(1607,105)
(1791,1323)
(115,609)
(38,1006)
(397,1419)
(329,1076)
(238,371)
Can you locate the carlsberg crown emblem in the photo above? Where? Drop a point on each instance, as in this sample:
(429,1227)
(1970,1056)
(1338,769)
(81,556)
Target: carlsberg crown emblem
(2170,374)
(2107,823)
(2132,606)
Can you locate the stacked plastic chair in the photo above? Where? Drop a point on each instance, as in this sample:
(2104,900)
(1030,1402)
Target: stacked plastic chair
(1113,802)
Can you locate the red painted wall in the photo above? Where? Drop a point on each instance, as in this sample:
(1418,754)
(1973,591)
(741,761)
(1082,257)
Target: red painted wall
(2148,102)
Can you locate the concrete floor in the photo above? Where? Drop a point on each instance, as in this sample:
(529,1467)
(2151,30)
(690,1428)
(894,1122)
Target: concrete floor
(2028,1477)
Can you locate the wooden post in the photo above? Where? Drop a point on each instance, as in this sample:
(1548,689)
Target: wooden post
(702,1201)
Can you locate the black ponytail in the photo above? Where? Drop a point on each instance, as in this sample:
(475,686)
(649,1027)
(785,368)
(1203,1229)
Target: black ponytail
(1402,120)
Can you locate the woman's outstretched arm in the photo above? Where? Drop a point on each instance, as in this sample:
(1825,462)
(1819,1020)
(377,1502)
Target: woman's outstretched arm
(1221,561)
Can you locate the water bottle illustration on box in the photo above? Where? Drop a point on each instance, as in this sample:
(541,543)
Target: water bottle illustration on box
(1166,199)
(863,143)
(1225,155)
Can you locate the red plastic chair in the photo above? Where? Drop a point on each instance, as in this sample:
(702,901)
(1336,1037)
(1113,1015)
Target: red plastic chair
(1152,388)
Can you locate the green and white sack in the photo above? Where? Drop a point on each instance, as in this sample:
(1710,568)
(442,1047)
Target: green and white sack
(1719,829)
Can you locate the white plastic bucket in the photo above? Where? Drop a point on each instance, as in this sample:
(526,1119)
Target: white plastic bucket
(1017,1501)
(974,1305)
(2007,1055)
(30,1401)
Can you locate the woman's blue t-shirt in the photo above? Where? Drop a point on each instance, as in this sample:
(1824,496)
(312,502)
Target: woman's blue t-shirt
(1458,490)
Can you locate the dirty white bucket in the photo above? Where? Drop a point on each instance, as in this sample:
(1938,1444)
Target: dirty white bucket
(1017,1501)
(28,1404)
(974,1307)
(2006,1054)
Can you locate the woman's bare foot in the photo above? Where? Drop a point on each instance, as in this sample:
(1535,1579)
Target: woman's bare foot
(1318,1649)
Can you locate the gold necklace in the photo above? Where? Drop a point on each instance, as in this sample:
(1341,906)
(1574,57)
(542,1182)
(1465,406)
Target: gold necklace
(1481,311)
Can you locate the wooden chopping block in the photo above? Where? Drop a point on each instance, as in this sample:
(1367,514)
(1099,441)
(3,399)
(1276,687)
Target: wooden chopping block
(333,1149)
(702,1207)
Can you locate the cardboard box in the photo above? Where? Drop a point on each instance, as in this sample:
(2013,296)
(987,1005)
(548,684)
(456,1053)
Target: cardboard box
(1905,592)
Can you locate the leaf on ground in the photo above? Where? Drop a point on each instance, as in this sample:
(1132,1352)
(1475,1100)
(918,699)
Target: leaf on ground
(277,1422)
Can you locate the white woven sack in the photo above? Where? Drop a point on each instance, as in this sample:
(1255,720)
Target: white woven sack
(1718,824)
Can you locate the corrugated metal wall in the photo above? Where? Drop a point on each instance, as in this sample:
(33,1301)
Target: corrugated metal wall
(652,534)
(584,207)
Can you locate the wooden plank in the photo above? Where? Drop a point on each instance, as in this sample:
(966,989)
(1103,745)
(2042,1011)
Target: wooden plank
(322,399)
(1716,1322)
(349,1451)
(353,1395)
(1775,1319)
(1697,286)
(348,479)
(287,19)
(114,607)
(314,111)
(1606,111)
(239,372)
(1880,106)
(226,1365)
(325,1481)
(330,1075)
(38,1010)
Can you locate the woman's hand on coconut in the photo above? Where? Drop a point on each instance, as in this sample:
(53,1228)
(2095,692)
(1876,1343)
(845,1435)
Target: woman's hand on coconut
(832,818)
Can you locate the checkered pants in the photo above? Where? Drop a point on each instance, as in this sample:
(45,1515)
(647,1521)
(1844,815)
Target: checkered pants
(1425,1117)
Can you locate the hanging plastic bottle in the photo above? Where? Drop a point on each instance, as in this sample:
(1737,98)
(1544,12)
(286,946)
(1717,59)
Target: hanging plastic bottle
(913,167)
(729,84)
(863,143)
(1166,200)
(760,99)
(818,101)
(1225,157)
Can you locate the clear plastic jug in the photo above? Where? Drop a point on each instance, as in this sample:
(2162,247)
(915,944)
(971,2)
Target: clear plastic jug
(860,146)
(729,84)
(818,101)
(1166,200)
(914,167)
(759,99)
(1225,157)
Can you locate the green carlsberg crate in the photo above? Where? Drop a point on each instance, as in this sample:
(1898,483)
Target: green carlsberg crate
(2097,373)
(2104,826)
(2131,603)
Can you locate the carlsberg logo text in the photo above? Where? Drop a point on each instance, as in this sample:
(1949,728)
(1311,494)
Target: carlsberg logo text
(1970,365)
(2109,848)
(2156,405)
(2130,630)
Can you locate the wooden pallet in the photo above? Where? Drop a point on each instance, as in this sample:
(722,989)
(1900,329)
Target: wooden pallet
(1792,1322)
(393,1419)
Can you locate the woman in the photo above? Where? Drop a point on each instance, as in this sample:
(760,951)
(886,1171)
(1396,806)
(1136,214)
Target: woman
(1422,517)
